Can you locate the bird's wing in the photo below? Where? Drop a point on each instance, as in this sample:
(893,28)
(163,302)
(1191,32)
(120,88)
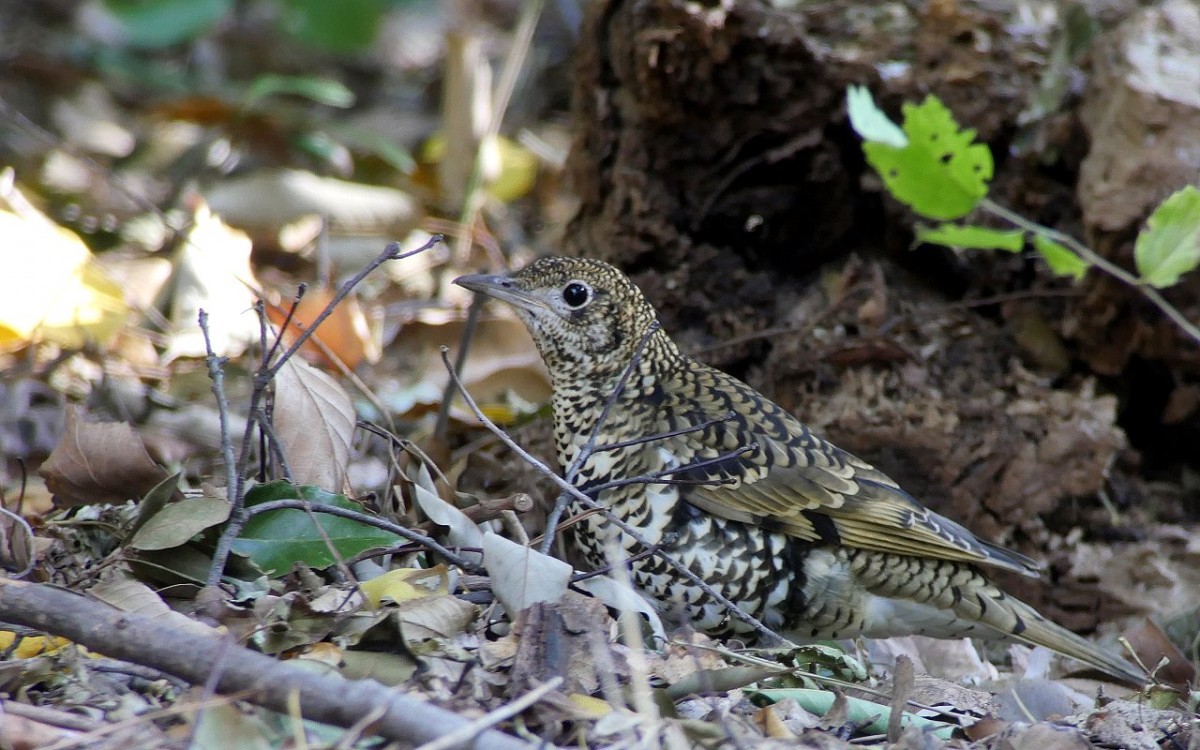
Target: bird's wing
(793,481)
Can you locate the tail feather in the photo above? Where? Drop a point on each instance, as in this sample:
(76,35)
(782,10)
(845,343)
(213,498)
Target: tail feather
(1038,631)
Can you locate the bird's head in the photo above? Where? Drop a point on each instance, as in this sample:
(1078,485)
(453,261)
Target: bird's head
(586,317)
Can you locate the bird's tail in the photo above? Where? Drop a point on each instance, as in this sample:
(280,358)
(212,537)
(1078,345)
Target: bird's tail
(1032,628)
(919,597)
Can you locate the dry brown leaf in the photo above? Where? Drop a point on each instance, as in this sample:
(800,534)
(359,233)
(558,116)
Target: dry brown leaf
(522,576)
(265,202)
(137,598)
(344,333)
(501,361)
(98,462)
(1151,645)
(314,422)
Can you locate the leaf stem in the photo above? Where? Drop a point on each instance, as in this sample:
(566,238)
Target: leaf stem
(1097,260)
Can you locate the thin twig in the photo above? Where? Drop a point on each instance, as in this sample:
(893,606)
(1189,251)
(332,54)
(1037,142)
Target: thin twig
(262,379)
(1099,261)
(209,690)
(464,344)
(369,520)
(468,732)
(588,502)
(391,252)
(216,373)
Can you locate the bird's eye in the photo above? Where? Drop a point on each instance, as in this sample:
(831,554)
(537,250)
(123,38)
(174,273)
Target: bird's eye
(576,294)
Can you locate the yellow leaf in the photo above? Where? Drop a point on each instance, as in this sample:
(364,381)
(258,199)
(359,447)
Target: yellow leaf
(52,289)
(405,584)
(592,707)
(510,169)
(31,646)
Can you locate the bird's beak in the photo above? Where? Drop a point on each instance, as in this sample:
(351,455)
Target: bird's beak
(502,288)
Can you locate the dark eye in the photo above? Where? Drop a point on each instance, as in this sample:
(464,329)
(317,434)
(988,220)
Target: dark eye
(576,294)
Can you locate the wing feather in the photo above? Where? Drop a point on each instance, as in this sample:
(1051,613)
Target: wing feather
(788,474)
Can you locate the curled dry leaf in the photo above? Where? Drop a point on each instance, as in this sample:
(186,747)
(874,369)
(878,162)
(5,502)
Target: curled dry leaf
(98,462)
(263,203)
(314,422)
(522,576)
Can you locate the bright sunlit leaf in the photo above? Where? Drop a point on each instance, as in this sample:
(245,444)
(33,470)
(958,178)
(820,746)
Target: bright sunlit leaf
(941,173)
(1170,245)
(869,121)
(52,289)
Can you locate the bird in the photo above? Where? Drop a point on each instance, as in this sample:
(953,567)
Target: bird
(814,542)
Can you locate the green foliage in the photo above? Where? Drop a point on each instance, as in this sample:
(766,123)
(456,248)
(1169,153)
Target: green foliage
(933,166)
(277,539)
(343,26)
(940,172)
(1062,260)
(1170,245)
(161,23)
(314,88)
(973,237)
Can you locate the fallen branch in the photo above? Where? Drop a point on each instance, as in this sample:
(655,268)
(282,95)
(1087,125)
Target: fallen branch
(257,678)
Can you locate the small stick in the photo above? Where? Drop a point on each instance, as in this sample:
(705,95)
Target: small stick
(489,720)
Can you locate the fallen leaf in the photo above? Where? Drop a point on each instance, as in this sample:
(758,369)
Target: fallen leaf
(404,584)
(52,289)
(344,333)
(212,272)
(178,522)
(461,530)
(267,201)
(314,424)
(136,598)
(522,576)
(98,462)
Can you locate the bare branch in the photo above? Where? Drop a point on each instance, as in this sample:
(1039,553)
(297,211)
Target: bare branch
(258,678)
(262,380)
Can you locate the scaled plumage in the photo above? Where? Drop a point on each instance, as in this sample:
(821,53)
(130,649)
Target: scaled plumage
(806,537)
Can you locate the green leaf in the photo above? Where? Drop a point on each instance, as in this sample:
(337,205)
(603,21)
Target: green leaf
(1169,246)
(942,173)
(277,539)
(314,88)
(1062,260)
(178,522)
(346,26)
(162,23)
(972,237)
(869,121)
